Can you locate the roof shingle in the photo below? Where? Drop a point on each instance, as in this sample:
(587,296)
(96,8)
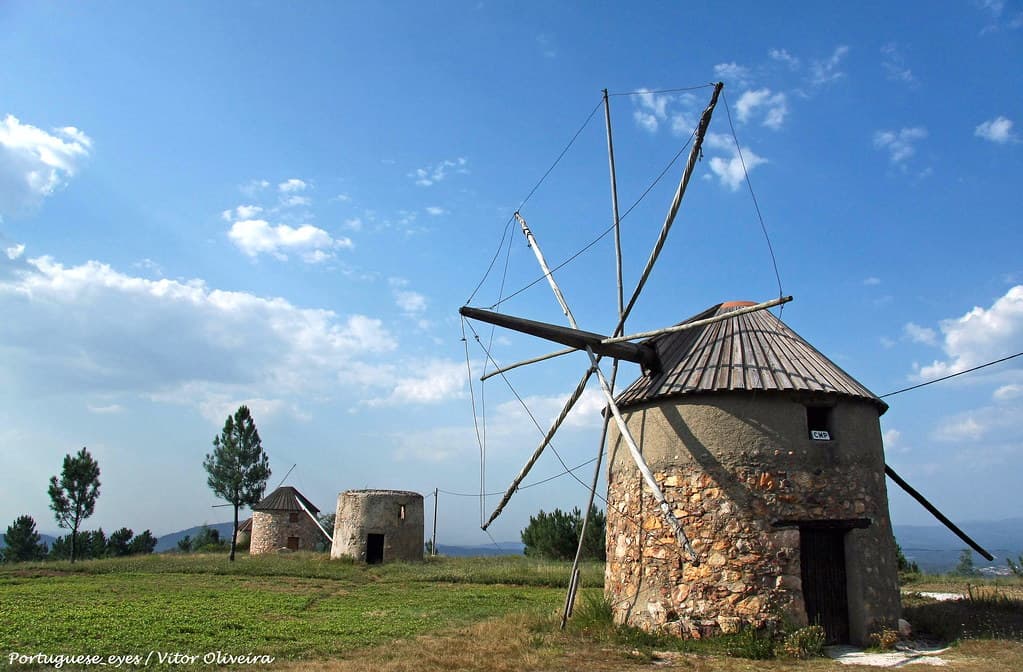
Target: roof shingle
(753,351)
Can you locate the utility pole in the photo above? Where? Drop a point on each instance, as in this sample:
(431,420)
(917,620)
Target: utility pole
(433,544)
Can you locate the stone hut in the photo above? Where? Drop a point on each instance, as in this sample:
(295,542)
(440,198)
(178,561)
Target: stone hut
(375,526)
(284,519)
(771,457)
(244,532)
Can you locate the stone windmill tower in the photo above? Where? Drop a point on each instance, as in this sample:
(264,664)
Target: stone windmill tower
(285,519)
(746,480)
(772,457)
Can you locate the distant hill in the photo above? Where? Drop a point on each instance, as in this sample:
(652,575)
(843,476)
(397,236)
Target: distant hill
(46,538)
(169,542)
(936,549)
(502,548)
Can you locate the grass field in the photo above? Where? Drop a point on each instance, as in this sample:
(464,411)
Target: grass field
(310,613)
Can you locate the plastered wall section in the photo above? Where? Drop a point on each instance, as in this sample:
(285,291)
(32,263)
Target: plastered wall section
(361,513)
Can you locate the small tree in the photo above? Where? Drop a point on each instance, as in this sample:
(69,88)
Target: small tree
(238,468)
(73,496)
(23,542)
(965,566)
(142,544)
(208,541)
(555,536)
(185,544)
(119,543)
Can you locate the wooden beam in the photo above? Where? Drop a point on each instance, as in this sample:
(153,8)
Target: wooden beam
(934,512)
(643,354)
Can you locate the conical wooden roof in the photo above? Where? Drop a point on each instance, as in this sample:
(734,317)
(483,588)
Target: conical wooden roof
(284,498)
(753,351)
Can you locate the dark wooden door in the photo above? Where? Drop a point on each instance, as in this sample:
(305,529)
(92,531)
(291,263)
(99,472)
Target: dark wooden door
(374,548)
(825,590)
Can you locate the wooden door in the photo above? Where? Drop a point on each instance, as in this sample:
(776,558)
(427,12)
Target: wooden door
(825,589)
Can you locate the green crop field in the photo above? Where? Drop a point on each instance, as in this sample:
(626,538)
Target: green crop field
(285,607)
(306,612)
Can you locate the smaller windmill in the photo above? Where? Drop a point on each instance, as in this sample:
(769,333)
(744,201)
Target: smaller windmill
(746,470)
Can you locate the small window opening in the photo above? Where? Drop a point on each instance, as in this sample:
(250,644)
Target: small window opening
(818,422)
(293,543)
(401,512)
(293,517)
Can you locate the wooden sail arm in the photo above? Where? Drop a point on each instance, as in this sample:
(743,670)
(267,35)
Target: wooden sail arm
(934,511)
(641,353)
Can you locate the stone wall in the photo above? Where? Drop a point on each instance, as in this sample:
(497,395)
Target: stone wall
(271,529)
(364,512)
(741,473)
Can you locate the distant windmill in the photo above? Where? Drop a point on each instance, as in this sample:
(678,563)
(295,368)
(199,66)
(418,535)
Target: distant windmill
(741,431)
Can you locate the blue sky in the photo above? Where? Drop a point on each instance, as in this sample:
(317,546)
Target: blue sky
(284,205)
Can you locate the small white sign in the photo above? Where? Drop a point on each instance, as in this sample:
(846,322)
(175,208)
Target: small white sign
(819,435)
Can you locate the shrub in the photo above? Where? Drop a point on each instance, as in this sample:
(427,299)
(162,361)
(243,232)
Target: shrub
(884,639)
(804,643)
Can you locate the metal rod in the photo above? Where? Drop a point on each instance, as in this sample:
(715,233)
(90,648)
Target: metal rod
(534,360)
(570,600)
(934,511)
(574,585)
(700,323)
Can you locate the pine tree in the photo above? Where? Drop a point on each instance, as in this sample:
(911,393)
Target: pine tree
(23,542)
(555,536)
(238,468)
(73,496)
(119,543)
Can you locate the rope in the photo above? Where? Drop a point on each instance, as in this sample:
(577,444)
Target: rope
(951,375)
(525,406)
(606,231)
(530,195)
(756,205)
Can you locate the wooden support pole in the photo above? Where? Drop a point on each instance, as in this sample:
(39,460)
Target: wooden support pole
(934,511)
(433,544)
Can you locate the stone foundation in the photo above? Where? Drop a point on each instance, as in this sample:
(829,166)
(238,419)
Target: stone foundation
(270,532)
(743,477)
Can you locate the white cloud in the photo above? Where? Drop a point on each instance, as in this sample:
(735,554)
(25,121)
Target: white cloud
(256,236)
(409,301)
(1008,392)
(434,381)
(783,56)
(353,224)
(918,334)
(980,336)
(295,201)
(431,175)
(730,169)
(965,428)
(823,72)
(894,65)
(651,109)
(436,211)
(91,328)
(105,410)
(252,187)
(241,212)
(14,251)
(774,105)
(900,144)
(998,130)
(732,72)
(34,163)
(872,281)
(292,185)
(343,198)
